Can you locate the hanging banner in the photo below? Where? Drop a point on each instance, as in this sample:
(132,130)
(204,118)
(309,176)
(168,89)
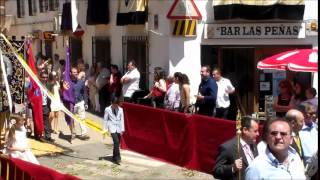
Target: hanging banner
(47,35)
(5,79)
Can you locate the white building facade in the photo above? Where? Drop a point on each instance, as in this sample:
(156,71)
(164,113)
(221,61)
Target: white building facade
(235,44)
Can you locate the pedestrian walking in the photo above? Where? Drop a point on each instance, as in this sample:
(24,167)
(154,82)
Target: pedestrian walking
(224,89)
(77,85)
(207,94)
(114,123)
(55,105)
(45,108)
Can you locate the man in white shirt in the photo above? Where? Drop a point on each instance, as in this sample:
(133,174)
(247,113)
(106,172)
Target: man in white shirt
(130,81)
(224,89)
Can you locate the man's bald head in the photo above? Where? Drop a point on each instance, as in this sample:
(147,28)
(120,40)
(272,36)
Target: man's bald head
(296,118)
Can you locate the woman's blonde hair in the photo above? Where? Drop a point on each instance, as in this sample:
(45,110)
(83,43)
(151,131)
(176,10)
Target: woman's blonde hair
(11,137)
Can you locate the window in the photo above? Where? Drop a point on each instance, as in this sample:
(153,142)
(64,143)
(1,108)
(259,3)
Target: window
(32,4)
(48,48)
(2,13)
(53,5)
(44,5)
(20,8)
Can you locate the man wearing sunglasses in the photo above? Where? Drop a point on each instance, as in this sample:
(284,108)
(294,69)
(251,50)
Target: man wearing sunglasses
(279,161)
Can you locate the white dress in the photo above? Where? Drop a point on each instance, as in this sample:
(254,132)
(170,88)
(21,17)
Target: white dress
(21,142)
(56,103)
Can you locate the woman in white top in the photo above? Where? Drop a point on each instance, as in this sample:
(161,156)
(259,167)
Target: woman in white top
(159,88)
(55,105)
(172,97)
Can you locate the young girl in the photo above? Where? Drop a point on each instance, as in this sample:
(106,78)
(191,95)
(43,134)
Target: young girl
(114,123)
(17,145)
(55,105)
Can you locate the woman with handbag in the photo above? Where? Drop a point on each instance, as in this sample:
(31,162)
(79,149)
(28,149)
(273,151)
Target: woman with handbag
(159,88)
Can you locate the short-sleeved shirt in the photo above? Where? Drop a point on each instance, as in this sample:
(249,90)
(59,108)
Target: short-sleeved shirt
(223,100)
(129,88)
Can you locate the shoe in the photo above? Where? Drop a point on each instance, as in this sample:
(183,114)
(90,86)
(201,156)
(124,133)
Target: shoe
(53,131)
(50,140)
(73,136)
(29,134)
(40,139)
(84,137)
(117,162)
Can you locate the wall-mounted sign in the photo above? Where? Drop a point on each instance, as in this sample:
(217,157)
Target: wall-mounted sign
(185,28)
(47,35)
(311,27)
(37,34)
(255,30)
(184,9)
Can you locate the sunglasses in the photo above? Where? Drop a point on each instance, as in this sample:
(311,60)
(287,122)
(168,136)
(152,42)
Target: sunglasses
(275,133)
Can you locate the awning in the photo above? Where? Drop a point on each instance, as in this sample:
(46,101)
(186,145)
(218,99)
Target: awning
(257,10)
(132,12)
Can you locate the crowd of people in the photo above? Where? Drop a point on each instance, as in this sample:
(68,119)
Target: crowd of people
(173,93)
(288,146)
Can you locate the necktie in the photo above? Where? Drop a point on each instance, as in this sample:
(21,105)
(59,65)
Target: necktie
(298,143)
(114,111)
(248,151)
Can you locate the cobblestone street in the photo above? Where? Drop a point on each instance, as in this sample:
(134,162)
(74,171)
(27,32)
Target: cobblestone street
(91,160)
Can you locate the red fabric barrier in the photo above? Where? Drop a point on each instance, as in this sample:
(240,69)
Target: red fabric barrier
(184,140)
(209,134)
(31,171)
(160,134)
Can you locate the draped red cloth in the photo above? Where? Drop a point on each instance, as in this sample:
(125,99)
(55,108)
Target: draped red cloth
(26,170)
(34,95)
(189,141)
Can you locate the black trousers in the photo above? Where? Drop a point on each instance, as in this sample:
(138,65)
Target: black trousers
(206,110)
(46,123)
(127,99)
(222,112)
(116,146)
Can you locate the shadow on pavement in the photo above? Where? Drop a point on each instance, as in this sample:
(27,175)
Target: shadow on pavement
(64,137)
(108,158)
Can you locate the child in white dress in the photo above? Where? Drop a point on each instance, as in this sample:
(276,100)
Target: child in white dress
(17,144)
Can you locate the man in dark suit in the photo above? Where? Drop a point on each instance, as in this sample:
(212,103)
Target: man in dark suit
(228,164)
(296,118)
